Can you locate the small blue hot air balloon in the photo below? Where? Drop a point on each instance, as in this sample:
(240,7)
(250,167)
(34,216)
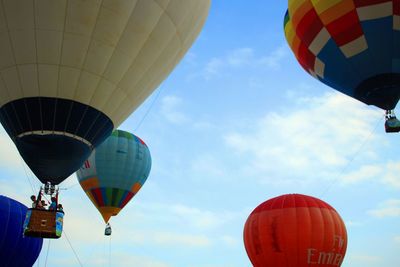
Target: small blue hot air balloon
(15,249)
(115,172)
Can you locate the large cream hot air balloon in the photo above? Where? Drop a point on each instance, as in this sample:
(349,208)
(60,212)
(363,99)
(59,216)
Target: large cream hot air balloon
(72,71)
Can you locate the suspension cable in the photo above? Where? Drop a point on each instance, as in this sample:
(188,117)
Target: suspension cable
(352,158)
(73,250)
(148,110)
(28,177)
(47,254)
(109,252)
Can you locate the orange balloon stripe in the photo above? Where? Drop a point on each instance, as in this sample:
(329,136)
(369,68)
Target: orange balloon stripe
(335,12)
(92,182)
(299,12)
(309,27)
(135,188)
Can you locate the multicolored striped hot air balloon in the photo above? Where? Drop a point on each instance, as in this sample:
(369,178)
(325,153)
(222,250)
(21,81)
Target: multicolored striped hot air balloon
(115,172)
(295,230)
(72,71)
(350,45)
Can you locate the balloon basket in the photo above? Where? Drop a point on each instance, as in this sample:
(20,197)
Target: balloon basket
(43,223)
(108,230)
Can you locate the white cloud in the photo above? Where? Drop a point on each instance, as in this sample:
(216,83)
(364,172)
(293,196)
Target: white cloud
(397,239)
(202,219)
(170,110)
(102,259)
(244,57)
(179,239)
(391,176)
(273,60)
(320,137)
(240,57)
(230,241)
(353,223)
(364,173)
(213,67)
(389,208)
(208,165)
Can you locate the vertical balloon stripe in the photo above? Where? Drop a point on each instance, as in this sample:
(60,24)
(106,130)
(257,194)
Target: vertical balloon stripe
(128,197)
(345,29)
(92,198)
(297,10)
(306,58)
(136,187)
(121,200)
(109,196)
(309,26)
(98,196)
(329,12)
(116,194)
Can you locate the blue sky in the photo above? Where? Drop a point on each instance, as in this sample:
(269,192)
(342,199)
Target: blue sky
(236,123)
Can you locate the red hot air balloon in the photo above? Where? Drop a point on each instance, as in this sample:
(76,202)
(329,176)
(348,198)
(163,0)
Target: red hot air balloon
(295,231)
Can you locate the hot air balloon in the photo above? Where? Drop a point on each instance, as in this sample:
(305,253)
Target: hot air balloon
(351,46)
(15,249)
(115,172)
(295,230)
(72,71)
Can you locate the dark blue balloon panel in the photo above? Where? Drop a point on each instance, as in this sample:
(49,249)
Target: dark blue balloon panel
(15,249)
(54,136)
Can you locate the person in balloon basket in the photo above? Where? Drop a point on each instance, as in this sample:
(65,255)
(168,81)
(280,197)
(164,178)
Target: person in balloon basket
(53,204)
(60,208)
(41,205)
(34,204)
(38,203)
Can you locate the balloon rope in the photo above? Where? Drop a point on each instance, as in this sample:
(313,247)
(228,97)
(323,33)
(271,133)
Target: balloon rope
(73,250)
(28,177)
(69,187)
(148,110)
(351,159)
(109,252)
(47,254)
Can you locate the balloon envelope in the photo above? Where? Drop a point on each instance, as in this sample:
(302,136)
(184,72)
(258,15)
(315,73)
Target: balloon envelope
(295,230)
(72,71)
(115,172)
(15,249)
(352,46)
